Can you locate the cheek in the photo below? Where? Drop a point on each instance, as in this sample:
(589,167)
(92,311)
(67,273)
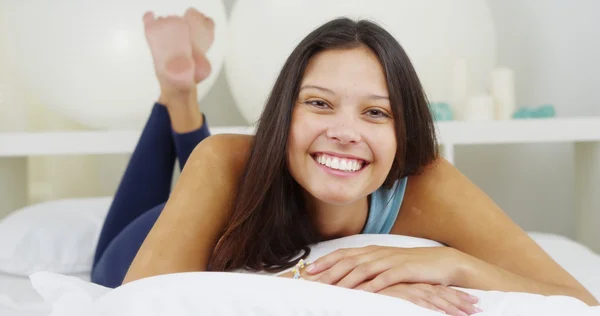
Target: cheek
(304,129)
(295,138)
(385,146)
(300,138)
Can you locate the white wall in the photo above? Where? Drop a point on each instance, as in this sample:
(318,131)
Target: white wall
(553,47)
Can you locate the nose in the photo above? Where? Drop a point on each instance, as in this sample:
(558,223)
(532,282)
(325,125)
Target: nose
(343,134)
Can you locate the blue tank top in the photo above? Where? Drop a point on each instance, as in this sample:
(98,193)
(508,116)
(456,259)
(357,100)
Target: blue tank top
(384,208)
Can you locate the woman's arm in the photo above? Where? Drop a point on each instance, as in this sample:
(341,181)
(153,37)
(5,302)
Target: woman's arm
(478,274)
(197,211)
(495,254)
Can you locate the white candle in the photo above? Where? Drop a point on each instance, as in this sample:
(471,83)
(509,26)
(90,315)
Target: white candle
(480,108)
(460,88)
(503,93)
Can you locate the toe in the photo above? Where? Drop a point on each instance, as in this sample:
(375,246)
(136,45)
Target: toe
(193,13)
(148,17)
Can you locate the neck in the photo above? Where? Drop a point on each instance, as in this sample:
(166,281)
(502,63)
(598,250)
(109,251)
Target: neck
(336,221)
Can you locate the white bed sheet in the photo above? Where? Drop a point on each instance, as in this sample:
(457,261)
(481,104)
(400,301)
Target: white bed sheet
(18,298)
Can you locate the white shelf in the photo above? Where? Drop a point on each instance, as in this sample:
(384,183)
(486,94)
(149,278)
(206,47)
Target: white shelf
(449,133)
(79,142)
(521,131)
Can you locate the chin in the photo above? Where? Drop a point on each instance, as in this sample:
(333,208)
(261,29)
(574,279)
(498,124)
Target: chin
(335,198)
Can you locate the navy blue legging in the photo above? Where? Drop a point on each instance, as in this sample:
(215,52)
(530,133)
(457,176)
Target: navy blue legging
(142,194)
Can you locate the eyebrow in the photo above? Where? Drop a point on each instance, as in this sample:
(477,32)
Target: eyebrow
(329,91)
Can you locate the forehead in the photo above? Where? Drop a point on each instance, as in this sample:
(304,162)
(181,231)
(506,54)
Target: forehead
(343,69)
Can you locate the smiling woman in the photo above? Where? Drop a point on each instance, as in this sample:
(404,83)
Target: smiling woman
(345,146)
(342,119)
(348,89)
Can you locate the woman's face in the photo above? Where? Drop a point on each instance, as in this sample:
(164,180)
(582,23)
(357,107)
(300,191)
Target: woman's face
(342,139)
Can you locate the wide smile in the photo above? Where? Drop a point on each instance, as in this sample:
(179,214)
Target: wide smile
(341,166)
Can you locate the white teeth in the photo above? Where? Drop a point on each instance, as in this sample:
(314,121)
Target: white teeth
(320,159)
(344,165)
(337,163)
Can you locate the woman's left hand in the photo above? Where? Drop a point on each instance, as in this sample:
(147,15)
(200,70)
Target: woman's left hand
(375,268)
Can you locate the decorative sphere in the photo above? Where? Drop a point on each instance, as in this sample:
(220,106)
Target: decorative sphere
(89,60)
(434,33)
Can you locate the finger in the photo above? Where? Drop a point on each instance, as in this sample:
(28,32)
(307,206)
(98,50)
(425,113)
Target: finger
(339,270)
(462,294)
(329,260)
(426,293)
(448,308)
(459,299)
(376,264)
(409,294)
(454,294)
(450,300)
(385,279)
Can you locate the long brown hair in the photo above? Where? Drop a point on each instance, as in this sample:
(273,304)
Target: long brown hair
(270,229)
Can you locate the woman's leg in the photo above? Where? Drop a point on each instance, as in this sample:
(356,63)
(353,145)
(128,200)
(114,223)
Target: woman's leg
(112,265)
(186,142)
(176,127)
(123,233)
(147,178)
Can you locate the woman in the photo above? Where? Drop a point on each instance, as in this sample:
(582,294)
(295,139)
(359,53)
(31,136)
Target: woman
(345,145)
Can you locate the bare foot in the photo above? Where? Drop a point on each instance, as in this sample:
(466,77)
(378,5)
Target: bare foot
(169,41)
(202,31)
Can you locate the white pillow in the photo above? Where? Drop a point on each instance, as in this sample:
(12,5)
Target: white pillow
(58,236)
(221,294)
(215,294)
(209,293)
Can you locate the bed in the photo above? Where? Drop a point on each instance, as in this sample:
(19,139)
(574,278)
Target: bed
(19,298)
(59,236)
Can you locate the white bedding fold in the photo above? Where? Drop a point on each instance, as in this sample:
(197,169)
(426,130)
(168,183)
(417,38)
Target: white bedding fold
(225,294)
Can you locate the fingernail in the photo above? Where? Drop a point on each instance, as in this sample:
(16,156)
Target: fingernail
(478,310)
(310,268)
(473,298)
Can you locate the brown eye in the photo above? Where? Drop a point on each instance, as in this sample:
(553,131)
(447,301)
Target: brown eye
(375,113)
(317,104)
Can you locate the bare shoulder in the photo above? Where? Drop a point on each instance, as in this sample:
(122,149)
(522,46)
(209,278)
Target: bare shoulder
(227,141)
(227,150)
(199,208)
